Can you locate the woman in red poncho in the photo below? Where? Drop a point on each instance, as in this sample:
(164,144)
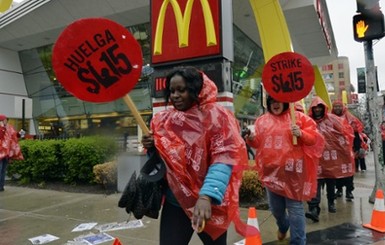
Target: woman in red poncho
(201,146)
(289,172)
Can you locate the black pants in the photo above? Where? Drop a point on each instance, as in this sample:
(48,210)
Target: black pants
(347,181)
(360,164)
(383,151)
(175,228)
(250,152)
(330,188)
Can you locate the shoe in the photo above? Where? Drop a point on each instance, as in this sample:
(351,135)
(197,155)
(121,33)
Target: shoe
(338,194)
(313,214)
(1,189)
(280,235)
(332,208)
(349,196)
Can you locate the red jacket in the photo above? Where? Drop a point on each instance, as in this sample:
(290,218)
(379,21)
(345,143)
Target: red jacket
(337,160)
(9,146)
(286,169)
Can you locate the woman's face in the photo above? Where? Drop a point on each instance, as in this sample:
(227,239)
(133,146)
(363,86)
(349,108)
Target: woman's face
(179,96)
(276,107)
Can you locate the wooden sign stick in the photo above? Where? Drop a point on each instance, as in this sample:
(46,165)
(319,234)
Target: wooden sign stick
(127,99)
(293,120)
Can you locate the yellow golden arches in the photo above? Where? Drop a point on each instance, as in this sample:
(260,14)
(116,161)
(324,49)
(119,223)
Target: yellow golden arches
(5,5)
(183,24)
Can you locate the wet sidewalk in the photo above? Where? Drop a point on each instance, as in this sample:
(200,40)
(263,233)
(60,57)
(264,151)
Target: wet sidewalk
(27,213)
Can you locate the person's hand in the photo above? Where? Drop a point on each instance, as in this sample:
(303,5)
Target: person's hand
(251,136)
(148,140)
(296,131)
(202,212)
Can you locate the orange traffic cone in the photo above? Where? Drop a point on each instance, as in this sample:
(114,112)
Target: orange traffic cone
(117,242)
(378,215)
(253,221)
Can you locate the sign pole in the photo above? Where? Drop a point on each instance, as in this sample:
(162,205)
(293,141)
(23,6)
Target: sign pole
(127,99)
(293,120)
(374,116)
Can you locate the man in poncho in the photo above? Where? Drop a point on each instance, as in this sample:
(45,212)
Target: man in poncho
(337,158)
(340,110)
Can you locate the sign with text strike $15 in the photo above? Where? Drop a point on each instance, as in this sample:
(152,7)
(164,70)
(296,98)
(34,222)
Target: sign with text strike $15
(288,77)
(97,60)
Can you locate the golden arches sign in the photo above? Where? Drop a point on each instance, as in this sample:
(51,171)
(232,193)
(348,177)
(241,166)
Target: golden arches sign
(183,24)
(5,5)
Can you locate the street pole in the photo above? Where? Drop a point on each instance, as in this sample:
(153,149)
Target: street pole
(375,114)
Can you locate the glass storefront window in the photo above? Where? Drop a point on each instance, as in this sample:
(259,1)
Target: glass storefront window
(247,72)
(59,114)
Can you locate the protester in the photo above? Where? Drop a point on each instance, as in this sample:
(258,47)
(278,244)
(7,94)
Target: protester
(360,147)
(298,106)
(289,172)
(340,110)
(337,158)
(21,134)
(245,134)
(204,154)
(9,148)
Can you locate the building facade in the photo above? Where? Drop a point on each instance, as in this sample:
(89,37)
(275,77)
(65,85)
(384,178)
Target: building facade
(336,75)
(33,98)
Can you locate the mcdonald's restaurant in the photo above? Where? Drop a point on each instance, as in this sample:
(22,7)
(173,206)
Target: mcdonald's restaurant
(223,38)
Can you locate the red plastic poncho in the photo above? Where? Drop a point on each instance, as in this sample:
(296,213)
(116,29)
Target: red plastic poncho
(286,169)
(9,146)
(337,160)
(189,142)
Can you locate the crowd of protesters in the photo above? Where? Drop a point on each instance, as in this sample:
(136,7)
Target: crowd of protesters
(205,151)
(328,149)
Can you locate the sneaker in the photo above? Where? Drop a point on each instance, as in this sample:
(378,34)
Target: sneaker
(280,235)
(338,194)
(349,196)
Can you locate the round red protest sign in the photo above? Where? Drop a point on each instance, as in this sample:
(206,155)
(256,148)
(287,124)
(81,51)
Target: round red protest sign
(97,60)
(288,77)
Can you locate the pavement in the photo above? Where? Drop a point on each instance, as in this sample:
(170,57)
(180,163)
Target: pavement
(26,213)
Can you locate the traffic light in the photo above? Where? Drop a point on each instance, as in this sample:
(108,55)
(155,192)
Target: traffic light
(368,6)
(368,27)
(369,23)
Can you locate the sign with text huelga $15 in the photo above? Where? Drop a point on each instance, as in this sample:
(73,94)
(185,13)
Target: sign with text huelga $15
(288,77)
(97,60)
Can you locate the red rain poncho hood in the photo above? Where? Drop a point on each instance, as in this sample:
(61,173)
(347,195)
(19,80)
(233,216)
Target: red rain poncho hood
(192,140)
(337,160)
(356,124)
(286,169)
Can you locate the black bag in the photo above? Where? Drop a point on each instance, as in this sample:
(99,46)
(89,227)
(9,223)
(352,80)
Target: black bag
(128,197)
(148,199)
(143,195)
